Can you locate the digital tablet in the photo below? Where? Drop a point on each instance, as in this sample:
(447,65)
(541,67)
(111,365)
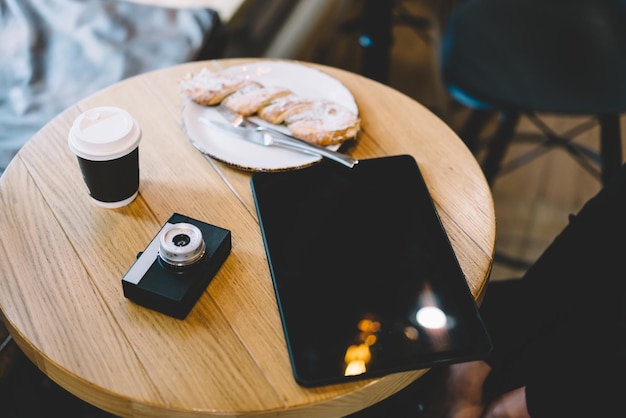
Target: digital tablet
(366,280)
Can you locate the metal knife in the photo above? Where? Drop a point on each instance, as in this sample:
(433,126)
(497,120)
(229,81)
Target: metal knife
(262,136)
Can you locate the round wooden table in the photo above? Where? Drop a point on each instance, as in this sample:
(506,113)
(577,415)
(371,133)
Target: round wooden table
(63,258)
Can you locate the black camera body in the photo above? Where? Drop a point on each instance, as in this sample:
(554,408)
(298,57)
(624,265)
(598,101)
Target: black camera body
(179,263)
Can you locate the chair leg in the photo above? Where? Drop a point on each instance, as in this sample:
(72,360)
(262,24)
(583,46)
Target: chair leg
(472,128)
(376,39)
(498,144)
(610,145)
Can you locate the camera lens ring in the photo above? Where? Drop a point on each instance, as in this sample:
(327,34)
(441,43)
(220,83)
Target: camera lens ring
(181,244)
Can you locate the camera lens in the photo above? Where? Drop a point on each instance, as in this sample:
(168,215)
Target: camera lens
(181,240)
(181,244)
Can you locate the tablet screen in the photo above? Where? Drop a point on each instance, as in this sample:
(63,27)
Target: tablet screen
(366,280)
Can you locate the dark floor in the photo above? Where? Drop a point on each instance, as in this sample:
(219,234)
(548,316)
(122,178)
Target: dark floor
(25,392)
(418,400)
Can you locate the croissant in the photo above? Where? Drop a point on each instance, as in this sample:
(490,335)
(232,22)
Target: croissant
(248,101)
(210,88)
(280,109)
(324,123)
(320,122)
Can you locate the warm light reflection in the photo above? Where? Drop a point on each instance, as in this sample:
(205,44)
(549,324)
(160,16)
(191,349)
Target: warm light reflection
(367,325)
(355,368)
(358,352)
(425,321)
(411,333)
(431,317)
(370,339)
(359,355)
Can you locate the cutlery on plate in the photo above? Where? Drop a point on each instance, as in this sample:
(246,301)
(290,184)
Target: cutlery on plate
(262,136)
(282,139)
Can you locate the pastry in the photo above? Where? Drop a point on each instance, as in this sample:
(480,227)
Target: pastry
(320,122)
(210,88)
(324,123)
(280,109)
(248,100)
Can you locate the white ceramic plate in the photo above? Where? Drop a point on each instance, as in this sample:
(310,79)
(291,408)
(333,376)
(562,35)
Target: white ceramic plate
(230,149)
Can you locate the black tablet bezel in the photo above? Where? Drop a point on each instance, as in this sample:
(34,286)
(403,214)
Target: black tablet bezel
(355,248)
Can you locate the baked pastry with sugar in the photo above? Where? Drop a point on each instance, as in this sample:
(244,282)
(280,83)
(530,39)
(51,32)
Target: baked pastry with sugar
(246,88)
(284,107)
(210,88)
(320,122)
(324,123)
(247,101)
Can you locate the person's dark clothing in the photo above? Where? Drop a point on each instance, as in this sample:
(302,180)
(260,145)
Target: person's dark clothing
(560,329)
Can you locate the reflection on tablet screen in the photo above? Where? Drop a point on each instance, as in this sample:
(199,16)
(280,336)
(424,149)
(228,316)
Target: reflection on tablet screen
(366,280)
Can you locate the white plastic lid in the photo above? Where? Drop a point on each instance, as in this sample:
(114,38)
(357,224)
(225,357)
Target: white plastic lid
(104,133)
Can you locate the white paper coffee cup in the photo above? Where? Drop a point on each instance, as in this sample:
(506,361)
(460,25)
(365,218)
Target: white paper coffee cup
(106,143)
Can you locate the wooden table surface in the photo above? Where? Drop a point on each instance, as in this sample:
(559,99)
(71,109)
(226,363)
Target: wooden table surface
(63,258)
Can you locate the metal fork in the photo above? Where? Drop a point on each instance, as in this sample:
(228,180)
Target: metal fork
(235,119)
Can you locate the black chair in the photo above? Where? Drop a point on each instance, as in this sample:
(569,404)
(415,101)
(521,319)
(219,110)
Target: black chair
(524,58)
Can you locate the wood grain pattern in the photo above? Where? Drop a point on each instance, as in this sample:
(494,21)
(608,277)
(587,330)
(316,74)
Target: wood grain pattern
(61,295)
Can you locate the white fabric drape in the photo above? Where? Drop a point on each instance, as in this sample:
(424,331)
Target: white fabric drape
(55,52)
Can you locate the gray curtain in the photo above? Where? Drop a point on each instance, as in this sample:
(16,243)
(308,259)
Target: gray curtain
(55,52)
